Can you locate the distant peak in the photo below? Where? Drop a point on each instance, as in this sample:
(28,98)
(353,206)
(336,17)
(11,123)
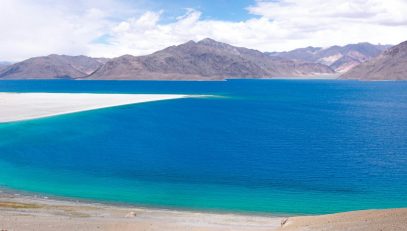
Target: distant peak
(58,55)
(126,56)
(364,43)
(190,42)
(208,41)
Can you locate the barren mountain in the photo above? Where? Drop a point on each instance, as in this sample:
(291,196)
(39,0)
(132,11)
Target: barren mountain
(341,59)
(52,67)
(3,65)
(391,65)
(205,60)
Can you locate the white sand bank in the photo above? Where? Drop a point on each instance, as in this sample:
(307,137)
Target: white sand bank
(25,106)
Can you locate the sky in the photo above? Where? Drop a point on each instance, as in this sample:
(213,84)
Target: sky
(110,28)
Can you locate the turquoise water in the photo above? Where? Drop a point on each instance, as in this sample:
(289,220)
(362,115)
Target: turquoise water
(266,146)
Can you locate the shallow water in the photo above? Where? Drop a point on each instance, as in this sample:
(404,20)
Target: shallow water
(268,146)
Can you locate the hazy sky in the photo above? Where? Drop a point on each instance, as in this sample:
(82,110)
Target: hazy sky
(107,28)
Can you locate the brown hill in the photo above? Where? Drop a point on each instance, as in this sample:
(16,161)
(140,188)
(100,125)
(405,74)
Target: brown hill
(339,58)
(391,65)
(52,67)
(205,60)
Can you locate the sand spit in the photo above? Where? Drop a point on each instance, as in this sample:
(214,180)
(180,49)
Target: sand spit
(25,106)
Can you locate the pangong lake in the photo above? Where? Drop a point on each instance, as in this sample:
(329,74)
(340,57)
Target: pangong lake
(249,146)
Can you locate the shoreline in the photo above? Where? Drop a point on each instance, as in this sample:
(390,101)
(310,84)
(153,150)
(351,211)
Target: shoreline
(76,200)
(19,212)
(27,106)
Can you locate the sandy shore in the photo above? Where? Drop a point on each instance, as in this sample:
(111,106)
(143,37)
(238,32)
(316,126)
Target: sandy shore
(19,212)
(29,213)
(25,106)
(369,220)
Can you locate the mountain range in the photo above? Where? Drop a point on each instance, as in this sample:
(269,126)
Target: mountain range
(339,58)
(206,59)
(390,65)
(203,60)
(212,60)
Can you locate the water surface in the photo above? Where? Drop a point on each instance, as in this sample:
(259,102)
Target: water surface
(268,146)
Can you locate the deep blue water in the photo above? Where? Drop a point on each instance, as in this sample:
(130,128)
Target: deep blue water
(268,146)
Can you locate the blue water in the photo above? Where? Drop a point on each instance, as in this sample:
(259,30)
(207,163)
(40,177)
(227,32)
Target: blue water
(267,146)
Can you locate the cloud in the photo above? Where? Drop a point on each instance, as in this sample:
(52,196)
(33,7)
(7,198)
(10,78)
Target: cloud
(275,25)
(306,12)
(40,27)
(140,36)
(116,28)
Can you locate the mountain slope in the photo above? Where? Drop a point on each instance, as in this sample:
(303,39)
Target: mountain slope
(52,67)
(391,65)
(205,60)
(341,59)
(4,65)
